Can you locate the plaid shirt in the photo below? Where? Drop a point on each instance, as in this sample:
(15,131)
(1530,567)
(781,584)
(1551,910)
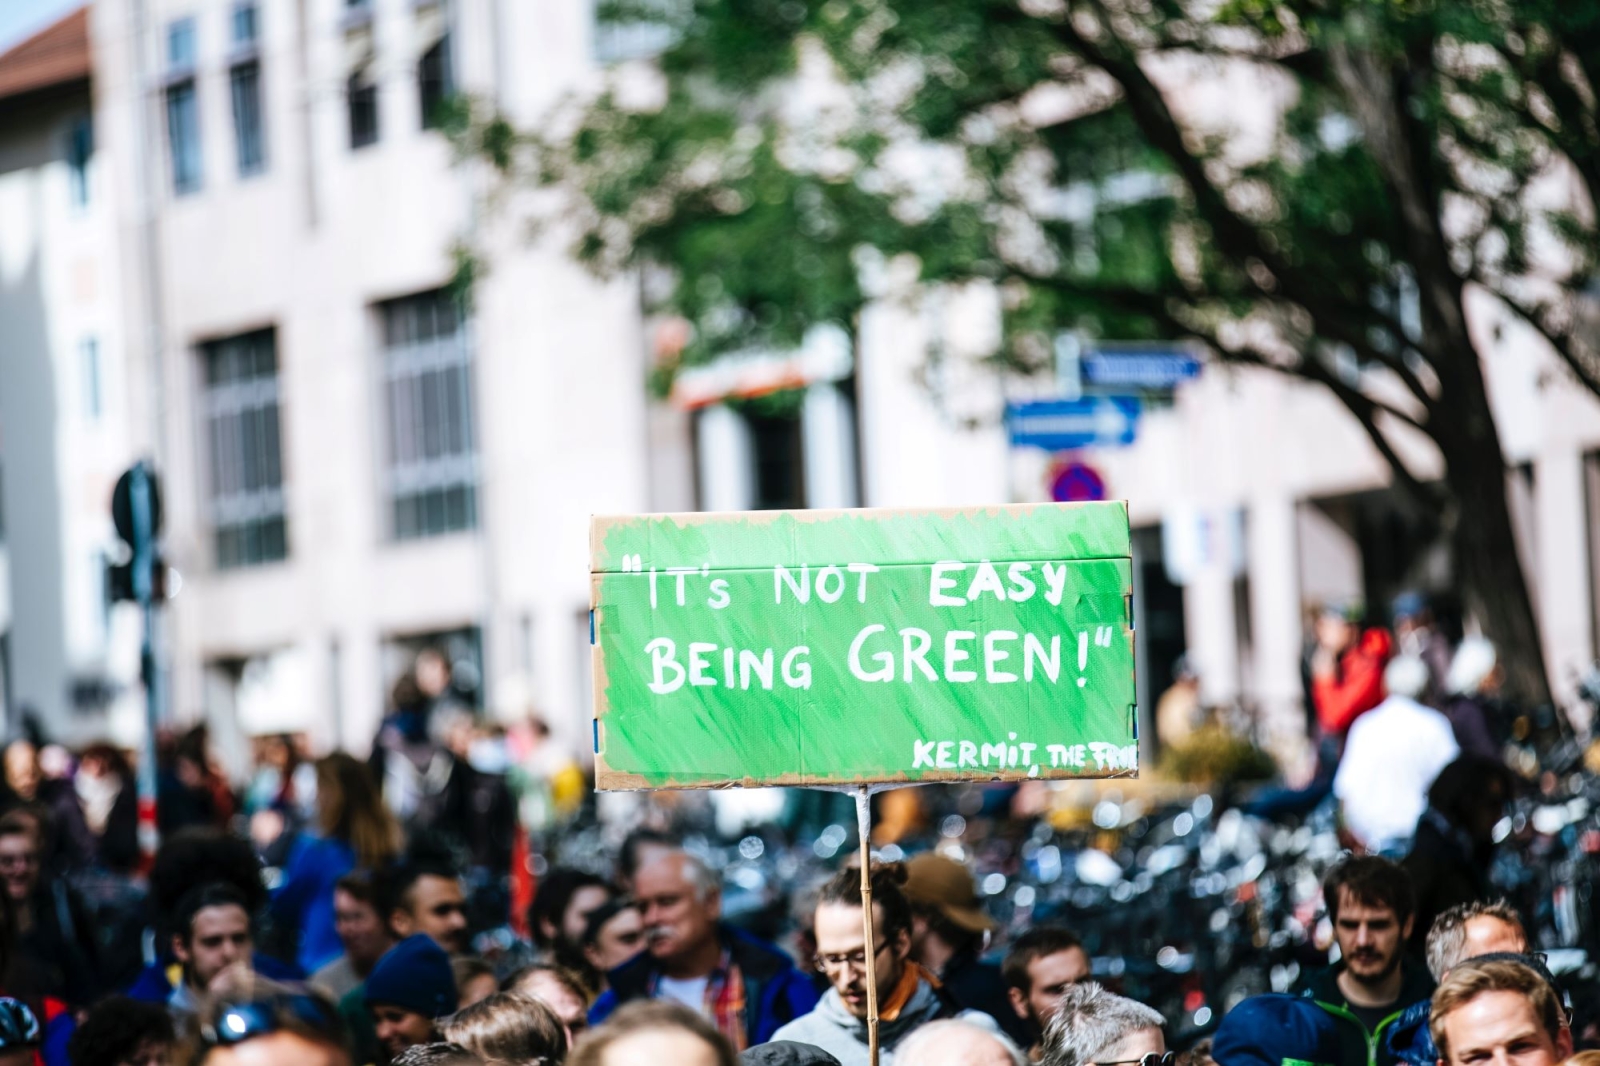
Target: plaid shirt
(725,1000)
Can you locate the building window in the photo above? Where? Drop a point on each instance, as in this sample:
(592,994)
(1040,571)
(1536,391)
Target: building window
(89,360)
(427,382)
(362,92)
(618,40)
(435,83)
(183,108)
(244,79)
(244,25)
(779,458)
(180,45)
(246,504)
(80,147)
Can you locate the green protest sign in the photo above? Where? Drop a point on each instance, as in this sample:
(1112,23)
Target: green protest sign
(842,647)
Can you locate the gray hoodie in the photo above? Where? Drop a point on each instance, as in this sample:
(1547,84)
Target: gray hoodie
(835,1030)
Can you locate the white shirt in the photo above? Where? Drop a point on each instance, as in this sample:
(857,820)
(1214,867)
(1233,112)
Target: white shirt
(691,993)
(1391,757)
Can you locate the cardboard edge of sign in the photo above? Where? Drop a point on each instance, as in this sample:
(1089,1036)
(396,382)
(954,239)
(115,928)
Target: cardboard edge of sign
(609,780)
(601,525)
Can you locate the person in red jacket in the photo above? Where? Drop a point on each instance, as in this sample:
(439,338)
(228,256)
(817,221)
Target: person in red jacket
(1346,669)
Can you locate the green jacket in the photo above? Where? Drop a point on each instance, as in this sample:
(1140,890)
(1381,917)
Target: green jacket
(358,1023)
(1364,1047)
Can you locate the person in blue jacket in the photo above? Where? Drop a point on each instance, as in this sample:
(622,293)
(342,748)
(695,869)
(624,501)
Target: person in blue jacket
(745,987)
(354,829)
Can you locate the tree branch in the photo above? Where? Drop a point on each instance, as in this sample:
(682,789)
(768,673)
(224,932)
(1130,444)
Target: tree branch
(1561,342)
(1363,407)
(1239,238)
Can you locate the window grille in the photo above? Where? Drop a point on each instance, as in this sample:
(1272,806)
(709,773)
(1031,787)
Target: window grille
(246,505)
(427,385)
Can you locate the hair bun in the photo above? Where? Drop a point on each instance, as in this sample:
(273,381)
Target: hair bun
(894,872)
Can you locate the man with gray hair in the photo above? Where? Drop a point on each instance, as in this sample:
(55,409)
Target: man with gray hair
(1469,930)
(745,987)
(1461,933)
(954,1042)
(1099,1028)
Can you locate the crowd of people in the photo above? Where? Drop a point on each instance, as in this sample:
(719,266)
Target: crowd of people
(666,981)
(395,910)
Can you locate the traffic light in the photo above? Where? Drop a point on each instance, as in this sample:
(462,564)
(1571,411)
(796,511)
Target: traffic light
(136,514)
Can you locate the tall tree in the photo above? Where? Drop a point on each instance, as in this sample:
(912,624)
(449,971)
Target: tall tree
(1376,162)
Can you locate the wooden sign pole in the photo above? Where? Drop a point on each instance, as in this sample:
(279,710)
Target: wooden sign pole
(864,829)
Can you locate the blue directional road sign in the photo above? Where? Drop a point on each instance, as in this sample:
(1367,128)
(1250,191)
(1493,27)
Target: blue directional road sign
(1061,425)
(1153,367)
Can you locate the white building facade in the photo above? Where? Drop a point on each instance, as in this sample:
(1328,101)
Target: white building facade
(354,464)
(246,273)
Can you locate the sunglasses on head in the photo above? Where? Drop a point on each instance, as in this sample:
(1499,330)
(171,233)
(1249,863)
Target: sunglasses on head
(238,1022)
(1152,1059)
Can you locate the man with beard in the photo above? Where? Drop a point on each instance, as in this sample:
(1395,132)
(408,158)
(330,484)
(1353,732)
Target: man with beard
(744,987)
(1370,903)
(909,996)
(1042,964)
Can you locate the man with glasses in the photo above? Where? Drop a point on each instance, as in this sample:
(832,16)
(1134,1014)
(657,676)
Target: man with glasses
(1096,1028)
(1042,964)
(744,987)
(909,997)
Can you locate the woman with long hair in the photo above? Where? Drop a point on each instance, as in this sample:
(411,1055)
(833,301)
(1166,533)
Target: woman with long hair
(353,829)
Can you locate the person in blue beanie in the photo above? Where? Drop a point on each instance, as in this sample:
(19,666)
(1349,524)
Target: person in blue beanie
(1276,1030)
(410,988)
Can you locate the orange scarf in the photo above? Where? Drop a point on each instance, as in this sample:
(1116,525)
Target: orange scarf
(914,972)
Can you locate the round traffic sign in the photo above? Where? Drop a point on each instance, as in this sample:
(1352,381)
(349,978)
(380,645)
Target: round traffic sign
(1076,482)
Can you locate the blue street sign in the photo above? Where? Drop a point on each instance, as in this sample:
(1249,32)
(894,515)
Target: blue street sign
(1154,367)
(1061,425)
